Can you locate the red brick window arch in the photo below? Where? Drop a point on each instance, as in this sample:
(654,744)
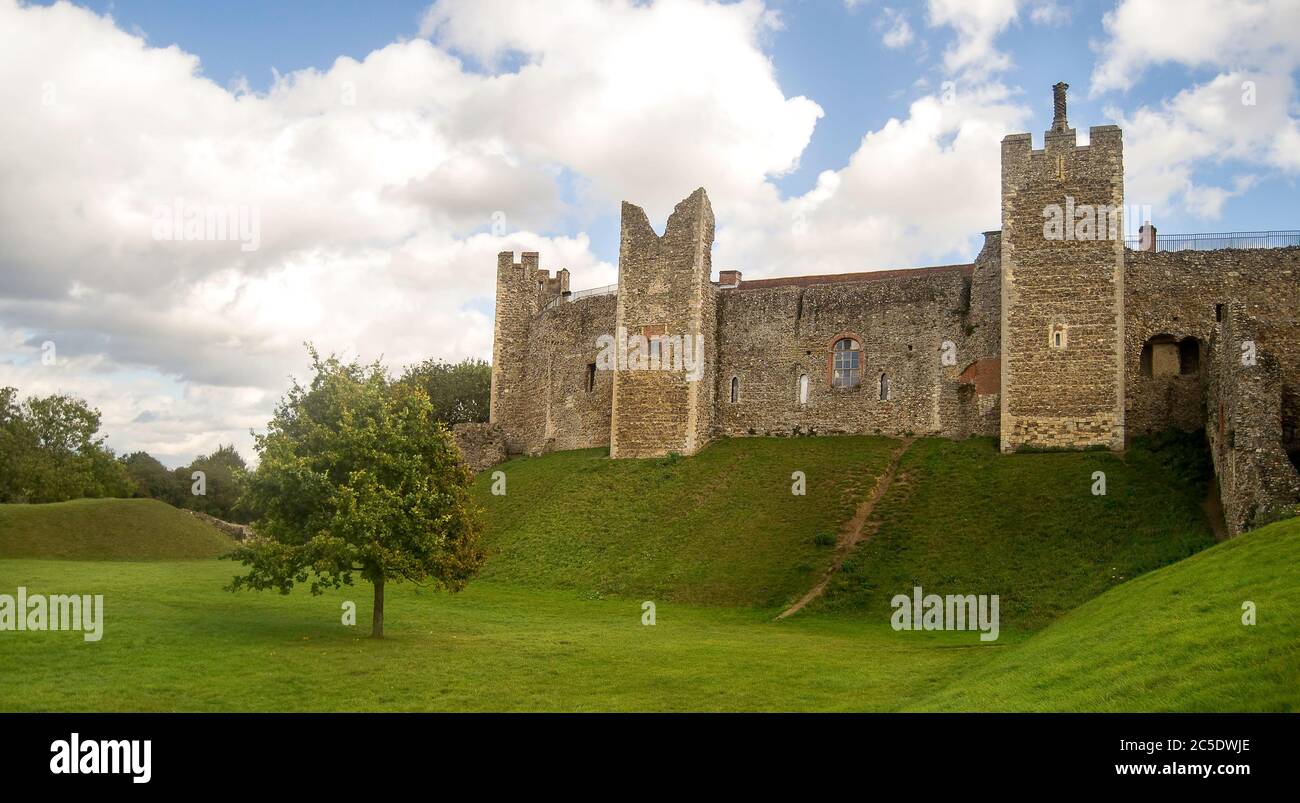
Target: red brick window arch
(846,362)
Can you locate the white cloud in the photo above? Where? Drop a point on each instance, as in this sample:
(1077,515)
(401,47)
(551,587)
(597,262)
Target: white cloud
(1249,34)
(377,182)
(1205,125)
(898,33)
(977,23)
(1049,12)
(917,190)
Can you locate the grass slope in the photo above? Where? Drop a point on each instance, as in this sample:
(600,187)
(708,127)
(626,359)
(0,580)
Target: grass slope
(719,528)
(963,519)
(1171,640)
(106,529)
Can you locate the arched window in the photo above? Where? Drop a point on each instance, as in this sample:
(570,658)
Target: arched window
(846,363)
(803,388)
(735,389)
(884,388)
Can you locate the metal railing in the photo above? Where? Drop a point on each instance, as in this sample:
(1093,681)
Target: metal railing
(1211,242)
(607,290)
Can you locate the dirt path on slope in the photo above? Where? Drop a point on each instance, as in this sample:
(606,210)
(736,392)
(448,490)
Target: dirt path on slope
(855,529)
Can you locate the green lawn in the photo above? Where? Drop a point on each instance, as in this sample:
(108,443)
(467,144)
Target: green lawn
(173,641)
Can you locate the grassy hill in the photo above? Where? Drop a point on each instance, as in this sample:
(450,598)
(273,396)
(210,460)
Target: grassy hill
(723,528)
(962,518)
(1171,640)
(106,529)
(719,528)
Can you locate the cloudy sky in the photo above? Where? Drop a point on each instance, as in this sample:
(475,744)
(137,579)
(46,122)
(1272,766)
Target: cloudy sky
(388,150)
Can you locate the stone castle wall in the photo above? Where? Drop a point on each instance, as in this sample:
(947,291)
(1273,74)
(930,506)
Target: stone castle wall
(1179,294)
(1258,482)
(770,336)
(481,445)
(541,397)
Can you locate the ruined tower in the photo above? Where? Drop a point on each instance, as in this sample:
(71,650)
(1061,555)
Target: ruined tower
(523,290)
(1063,288)
(665,296)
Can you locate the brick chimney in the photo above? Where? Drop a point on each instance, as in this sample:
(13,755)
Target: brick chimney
(729,278)
(1059,121)
(1147,237)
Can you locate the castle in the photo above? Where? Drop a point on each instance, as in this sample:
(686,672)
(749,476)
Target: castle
(1058,335)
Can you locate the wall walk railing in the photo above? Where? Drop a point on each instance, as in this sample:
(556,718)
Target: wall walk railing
(607,290)
(1211,242)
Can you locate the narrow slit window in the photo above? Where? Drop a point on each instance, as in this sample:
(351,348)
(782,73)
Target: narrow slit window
(591,376)
(884,387)
(735,390)
(803,388)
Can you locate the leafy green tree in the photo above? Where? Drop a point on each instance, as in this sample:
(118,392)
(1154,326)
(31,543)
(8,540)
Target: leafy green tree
(153,480)
(50,451)
(459,392)
(225,477)
(356,476)
(12,442)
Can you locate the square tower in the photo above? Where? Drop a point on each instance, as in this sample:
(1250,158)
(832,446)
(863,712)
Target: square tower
(667,329)
(1063,288)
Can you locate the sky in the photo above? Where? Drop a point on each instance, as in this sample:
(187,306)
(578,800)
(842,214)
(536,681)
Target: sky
(357,166)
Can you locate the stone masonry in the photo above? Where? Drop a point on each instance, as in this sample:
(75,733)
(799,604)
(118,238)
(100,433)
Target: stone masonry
(1055,336)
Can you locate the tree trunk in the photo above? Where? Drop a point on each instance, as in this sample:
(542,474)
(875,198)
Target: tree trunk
(377,621)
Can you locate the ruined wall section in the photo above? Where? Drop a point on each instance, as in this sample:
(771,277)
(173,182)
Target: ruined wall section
(1257,481)
(664,290)
(571,403)
(1070,396)
(772,334)
(979,383)
(1179,293)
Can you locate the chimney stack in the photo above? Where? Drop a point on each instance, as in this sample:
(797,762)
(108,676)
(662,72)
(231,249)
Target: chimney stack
(1059,122)
(1147,237)
(729,278)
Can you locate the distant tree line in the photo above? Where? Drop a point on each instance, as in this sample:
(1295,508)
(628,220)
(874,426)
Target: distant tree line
(51,449)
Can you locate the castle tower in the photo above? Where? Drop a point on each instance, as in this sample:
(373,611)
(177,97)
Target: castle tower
(1063,287)
(665,404)
(523,289)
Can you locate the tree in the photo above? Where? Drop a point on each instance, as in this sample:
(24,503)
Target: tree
(356,476)
(50,451)
(459,392)
(152,479)
(225,478)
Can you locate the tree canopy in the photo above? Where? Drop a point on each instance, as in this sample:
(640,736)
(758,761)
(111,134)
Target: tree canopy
(358,476)
(459,392)
(50,451)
